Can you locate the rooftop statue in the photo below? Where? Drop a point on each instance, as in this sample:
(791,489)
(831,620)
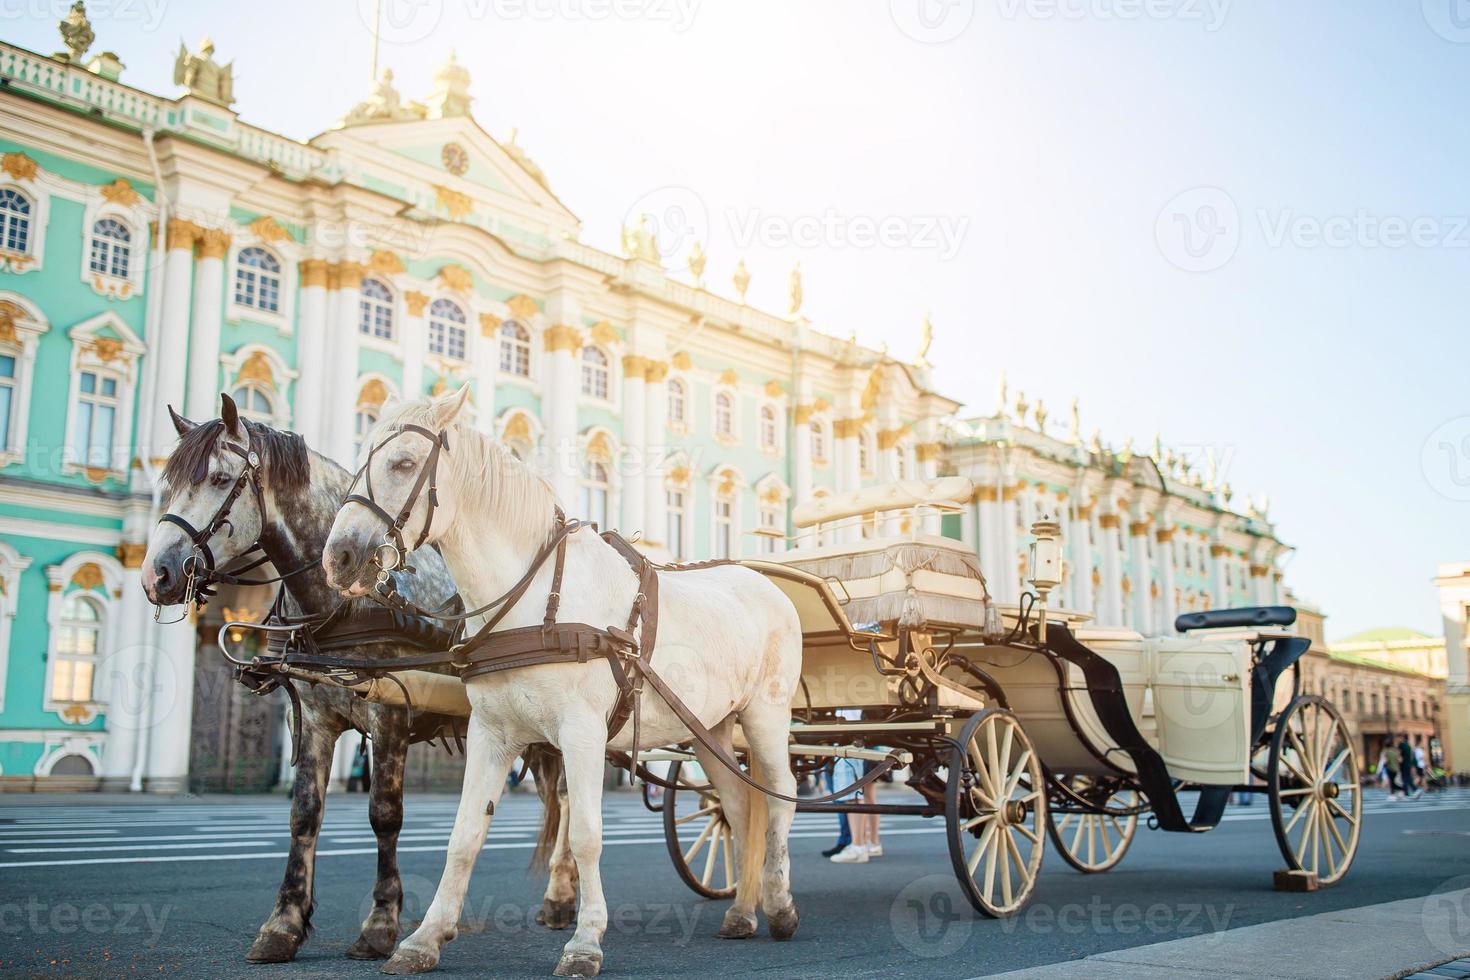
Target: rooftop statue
(76,31)
(203,76)
(383,104)
(639,241)
(793,290)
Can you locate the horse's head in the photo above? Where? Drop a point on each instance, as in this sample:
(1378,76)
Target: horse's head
(397,503)
(213,504)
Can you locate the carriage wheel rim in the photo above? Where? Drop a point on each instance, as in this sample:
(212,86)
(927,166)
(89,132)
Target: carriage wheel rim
(1093,842)
(1314,767)
(700,841)
(995,809)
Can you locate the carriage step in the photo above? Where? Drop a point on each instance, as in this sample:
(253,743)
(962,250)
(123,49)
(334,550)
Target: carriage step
(1288,880)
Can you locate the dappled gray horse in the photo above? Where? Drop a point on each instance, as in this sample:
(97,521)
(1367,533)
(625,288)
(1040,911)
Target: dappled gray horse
(233,487)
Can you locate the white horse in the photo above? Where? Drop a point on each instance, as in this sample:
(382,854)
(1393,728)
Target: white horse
(728,643)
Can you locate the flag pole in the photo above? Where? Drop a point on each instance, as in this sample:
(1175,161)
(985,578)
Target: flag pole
(377,21)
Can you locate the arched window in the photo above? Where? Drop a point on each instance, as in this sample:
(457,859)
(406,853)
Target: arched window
(111,248)
(770,431)
(375,318)
(96,418)
(515,349)
(8,383)
(255,402)
(594,373)
(362,424)
(594,493)
(678,402)
(15,220)
(819,441)
(446,329)
(78,640)
(258,280)
(724,414)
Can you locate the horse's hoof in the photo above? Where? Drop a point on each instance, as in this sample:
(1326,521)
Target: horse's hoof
(783,924)
(375,945)
(273,947)
(579,965)
(736,926)
(408,960)
(557,915)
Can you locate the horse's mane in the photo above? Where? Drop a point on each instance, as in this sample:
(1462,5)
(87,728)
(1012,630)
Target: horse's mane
(522,501)
(284,457)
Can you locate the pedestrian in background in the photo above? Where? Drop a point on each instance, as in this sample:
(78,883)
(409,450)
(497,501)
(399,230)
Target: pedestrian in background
(1406,767)
(1391,767)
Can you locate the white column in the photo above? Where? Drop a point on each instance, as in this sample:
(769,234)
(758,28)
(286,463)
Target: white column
(987,508)
(166,736)
(1007,569)
(1260,585)
(1218,557)
(969,529)
(125,706)
(205,324)
(801,439)
(1164,545)
(656,451)
(927,455)
(341,406)
(1142,577)
(1081,550)
(1110,608)
(562,345)
(311,352)
(486,359)
(173,339)
(635,464)
(415,340)
(845,433)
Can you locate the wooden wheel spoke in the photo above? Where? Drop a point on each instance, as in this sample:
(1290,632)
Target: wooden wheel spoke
(1034,836)
(1336,763)
(699,841)
(974,822)
(1295,791)
(1306,839)
(1343,813)
(1017,774)
(1005,849)
(1331,826)
(705,811)
(980,849)
(987,785)
(710,855)
(1023,873)
(1296,817)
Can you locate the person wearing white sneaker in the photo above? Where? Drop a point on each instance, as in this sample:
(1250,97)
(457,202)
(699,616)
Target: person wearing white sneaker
(851,854)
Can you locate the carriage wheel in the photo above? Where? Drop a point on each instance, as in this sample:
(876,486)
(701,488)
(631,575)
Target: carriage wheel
(1315,789)
(1093,842)
(994,808)
(700,840)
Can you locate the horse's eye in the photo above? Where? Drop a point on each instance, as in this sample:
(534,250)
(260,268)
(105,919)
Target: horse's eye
(220,478)
(404,464)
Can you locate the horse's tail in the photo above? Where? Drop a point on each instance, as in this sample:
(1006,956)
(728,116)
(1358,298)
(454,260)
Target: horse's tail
(752,856)
(547,767)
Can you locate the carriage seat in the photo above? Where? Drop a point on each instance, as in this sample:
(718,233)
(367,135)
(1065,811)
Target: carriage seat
(879,544)
(1212,619)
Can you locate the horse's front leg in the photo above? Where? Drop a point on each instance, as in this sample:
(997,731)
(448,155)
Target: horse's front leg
(488,758)
(389,729)
(284,932)
(583,749)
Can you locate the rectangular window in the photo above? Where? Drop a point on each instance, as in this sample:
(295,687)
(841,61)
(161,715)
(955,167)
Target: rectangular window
(724,529)
(676,518)
(96,414)
(7,398)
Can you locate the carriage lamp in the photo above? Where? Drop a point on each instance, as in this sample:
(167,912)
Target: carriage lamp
(1044,568)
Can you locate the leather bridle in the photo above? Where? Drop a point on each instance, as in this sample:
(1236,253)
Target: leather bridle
(200,571)
(391,553)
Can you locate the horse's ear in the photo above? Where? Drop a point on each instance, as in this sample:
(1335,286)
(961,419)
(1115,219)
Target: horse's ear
(230,414)
(181,425)
(447,407)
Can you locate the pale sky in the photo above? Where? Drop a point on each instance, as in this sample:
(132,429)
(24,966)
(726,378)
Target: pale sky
(1242,226)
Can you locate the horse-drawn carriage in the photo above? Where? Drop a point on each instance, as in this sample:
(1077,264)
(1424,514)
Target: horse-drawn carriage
(1010,733)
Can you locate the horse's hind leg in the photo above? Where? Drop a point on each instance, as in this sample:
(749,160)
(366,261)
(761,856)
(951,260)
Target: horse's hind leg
(767,727)
(284,932)
(389,729)
(488,759)
(739,920)
(559,907)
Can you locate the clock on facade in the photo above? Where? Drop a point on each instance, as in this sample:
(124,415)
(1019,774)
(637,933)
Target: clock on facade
(456,160)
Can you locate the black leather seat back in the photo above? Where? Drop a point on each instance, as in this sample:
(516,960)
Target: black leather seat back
(1214,619)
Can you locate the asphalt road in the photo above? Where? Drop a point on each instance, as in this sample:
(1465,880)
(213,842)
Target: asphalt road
(109,886)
